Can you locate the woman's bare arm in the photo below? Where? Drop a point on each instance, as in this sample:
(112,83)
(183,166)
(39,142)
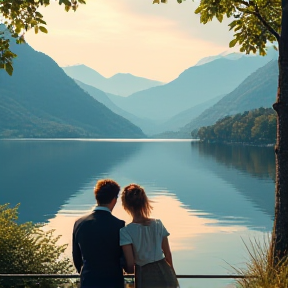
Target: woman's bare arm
(129,257)
(167,251)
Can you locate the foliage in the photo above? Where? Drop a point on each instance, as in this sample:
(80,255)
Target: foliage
(257,126)
(255,22)
(260,270)
(27,249)
(20,16)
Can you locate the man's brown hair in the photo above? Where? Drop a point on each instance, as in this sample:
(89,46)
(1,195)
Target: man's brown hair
(106,190)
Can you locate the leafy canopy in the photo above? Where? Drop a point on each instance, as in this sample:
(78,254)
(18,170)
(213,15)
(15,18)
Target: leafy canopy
(20,16)
(255,22)
(27,249)
(256,126)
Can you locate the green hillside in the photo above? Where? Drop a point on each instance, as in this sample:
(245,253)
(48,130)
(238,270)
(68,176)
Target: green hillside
(40,100)
(257,127)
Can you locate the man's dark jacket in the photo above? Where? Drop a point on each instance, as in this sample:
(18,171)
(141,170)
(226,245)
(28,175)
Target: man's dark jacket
(96,250)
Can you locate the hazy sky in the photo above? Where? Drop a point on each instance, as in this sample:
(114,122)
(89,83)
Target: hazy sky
(130,36)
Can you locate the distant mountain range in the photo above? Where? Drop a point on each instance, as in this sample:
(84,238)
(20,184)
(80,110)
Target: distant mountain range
(226,55)
(122,84)
(181,119)
(148,126)
(271,54)
(138,107)
(257,90)
(40,100)
(194,86)
(145,124)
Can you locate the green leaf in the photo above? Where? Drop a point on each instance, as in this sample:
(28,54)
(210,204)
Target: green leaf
(219,17)
(9,69)
(233,43)
(67,8)
(43,29)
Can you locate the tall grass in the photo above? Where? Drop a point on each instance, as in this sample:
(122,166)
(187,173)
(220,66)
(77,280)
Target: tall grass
(259,269)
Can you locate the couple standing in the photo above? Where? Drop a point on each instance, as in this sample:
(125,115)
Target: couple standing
(100,240)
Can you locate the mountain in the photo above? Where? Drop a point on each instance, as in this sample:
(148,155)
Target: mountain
(123,84)
(230,56)
(100,96)
(257,90)
(40,100)
(181,119)
(194,86)
(271,54)
(145,124)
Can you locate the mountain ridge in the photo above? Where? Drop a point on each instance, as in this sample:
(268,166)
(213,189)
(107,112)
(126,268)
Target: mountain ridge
(46,96)
(244,98)
(123,84)
(194,86)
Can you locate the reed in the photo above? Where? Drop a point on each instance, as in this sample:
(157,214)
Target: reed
(260,270)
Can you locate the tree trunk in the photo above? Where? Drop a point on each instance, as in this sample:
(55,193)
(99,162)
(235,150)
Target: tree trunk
(280,230)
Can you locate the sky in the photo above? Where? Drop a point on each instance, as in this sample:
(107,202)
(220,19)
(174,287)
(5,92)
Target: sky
(130,36)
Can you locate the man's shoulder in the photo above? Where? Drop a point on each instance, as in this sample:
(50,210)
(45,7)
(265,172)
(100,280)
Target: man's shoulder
(82,219)
(92,216)
(119,221)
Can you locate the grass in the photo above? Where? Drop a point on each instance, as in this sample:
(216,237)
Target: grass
(259,269)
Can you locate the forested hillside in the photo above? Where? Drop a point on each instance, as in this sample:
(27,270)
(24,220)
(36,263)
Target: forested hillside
(40,100)
(257,126)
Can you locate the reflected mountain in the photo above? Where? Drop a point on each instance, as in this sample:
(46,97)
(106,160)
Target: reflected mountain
(42,175)
(258,162)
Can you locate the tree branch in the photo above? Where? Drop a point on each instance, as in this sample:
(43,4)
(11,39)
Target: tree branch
(258,15)
(269,28)
(243,3)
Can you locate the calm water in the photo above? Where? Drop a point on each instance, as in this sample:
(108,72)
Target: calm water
(211,198)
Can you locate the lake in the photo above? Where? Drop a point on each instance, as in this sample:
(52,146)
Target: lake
(210,197)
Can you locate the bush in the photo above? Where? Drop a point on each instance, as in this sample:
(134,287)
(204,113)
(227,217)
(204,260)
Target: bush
(27,249)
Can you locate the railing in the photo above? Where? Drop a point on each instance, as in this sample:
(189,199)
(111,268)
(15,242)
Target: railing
(129,279)
(71,276)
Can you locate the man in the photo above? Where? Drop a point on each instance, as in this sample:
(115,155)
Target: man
(96,250)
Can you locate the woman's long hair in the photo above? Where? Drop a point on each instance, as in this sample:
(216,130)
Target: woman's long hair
(135,201)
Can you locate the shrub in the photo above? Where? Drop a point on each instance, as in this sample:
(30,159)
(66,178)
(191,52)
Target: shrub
(27,249)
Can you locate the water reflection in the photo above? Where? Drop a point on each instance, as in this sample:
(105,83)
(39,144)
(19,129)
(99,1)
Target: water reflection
(42,175)
(207,196)
(246,161)
(257,161)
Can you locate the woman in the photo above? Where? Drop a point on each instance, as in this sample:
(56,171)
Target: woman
(144,241)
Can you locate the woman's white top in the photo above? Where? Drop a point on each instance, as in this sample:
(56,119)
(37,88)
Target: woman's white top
(146,240)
